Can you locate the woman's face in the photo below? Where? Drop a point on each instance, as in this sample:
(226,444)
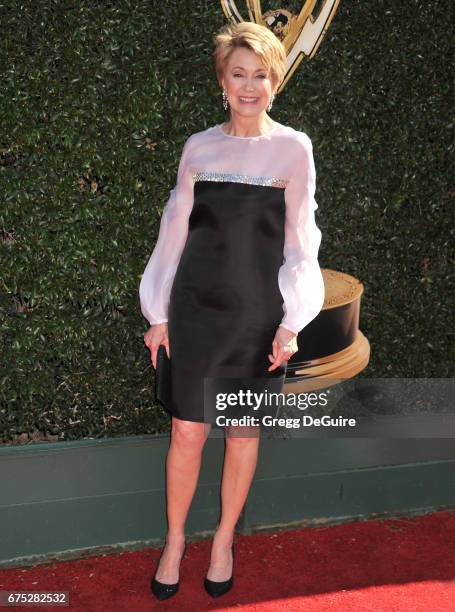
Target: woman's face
(246,77)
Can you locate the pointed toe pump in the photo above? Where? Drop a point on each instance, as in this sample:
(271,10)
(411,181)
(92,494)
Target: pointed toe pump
(215,588)
(162,590)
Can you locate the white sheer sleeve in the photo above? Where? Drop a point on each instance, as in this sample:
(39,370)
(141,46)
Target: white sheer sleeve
(300,277)
(158,276)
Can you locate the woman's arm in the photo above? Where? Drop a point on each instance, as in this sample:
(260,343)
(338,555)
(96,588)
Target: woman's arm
(158,276)
(300,277)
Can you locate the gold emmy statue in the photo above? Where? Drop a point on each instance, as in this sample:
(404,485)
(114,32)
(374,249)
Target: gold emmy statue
(300,34)
(332,347)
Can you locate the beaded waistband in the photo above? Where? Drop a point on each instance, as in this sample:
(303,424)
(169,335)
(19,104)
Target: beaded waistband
(240,178)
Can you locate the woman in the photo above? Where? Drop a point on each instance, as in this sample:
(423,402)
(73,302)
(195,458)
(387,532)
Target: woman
(233,278)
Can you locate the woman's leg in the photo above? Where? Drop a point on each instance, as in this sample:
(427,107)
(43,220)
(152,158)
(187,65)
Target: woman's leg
(242,444)
(183,464)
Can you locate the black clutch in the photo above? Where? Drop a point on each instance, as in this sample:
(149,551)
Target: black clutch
(163,376)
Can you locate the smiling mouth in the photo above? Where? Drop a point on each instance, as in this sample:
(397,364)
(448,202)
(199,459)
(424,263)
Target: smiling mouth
(248,100)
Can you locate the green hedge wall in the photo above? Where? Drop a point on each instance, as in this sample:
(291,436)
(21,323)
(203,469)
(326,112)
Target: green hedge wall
(97,101)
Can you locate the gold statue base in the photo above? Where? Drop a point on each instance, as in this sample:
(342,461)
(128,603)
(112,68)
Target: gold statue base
(332,347)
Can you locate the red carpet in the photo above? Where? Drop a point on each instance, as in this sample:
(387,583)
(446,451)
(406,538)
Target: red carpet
(396,565)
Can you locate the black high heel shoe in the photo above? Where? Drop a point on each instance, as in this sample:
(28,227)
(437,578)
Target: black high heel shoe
(162,590)
(216,588)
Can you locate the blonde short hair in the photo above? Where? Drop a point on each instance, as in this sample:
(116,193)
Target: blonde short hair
(257,38)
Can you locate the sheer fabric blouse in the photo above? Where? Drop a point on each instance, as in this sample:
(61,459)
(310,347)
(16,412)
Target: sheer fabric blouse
(284,154)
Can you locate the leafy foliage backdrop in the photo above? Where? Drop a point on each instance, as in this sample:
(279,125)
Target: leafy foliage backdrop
(98,100)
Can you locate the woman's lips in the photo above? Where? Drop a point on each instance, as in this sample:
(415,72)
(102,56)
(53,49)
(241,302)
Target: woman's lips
(247,101)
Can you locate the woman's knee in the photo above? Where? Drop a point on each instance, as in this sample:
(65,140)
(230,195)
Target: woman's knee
(189,433)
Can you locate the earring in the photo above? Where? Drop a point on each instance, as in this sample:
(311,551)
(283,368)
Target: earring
(269,108)
(225,100)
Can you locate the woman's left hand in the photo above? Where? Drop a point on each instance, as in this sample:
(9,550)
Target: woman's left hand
(284,346)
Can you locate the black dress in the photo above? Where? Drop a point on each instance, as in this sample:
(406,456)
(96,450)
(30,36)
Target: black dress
(218,274)
(225,304)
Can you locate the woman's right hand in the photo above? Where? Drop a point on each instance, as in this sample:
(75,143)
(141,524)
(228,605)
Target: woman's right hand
(156,335)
